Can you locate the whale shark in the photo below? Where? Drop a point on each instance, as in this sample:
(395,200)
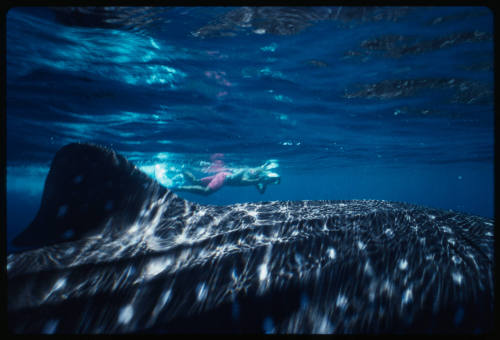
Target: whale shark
(113,251)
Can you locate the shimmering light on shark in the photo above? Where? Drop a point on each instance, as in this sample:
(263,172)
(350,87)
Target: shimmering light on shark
(133,229)
(403,264)
(361,245)
(331,253)
(263,272)
(341,301)
(407,296)
(288,259)
(456,259)
(389,233)
(59,284)
(234,274)
(447,229)
(387,287)
(201,291)
(156,266)
(457,278)
(324,326)
(166,296)
(126,314)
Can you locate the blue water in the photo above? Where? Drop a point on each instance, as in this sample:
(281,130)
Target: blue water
(151,84)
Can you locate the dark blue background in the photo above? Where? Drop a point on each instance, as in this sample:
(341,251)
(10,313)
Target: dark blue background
(160,95)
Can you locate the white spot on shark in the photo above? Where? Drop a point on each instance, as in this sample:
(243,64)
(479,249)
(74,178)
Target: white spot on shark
(62,210)
(368,268)
(389,233)
(126,314)
(201,291)
(331,253)
(447,229)
(403,264)
(263,272)
(457,278)
(59,284)
(133,229)
(361,245)
(156,266)
(456,259)
(166,296)
(341,301)
(407,296)
(322,325)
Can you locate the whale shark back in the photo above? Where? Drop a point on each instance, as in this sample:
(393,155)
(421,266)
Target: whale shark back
(157,263)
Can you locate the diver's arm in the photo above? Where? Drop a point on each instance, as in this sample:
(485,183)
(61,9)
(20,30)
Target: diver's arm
(261,187)
(240,177)
(195,189)
(250,180)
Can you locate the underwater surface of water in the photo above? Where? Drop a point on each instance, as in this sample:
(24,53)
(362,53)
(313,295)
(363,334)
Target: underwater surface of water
(389,103)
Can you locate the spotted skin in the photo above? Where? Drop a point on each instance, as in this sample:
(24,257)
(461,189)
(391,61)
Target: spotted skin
(359,266)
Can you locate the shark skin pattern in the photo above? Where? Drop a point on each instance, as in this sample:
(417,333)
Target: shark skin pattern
(119,253)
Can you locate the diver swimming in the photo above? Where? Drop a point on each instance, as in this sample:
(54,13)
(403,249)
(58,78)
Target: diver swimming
(259,176)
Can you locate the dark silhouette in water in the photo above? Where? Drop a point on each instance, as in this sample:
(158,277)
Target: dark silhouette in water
(465,91)
(152,261)
(291,20)
(121,17)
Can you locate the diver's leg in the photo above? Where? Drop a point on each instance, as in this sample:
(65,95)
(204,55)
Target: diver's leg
(191,177)
(195,189)
(216,181)
(261,187)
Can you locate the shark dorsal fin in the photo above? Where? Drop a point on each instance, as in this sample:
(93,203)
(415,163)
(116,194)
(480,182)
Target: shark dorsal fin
(86,185)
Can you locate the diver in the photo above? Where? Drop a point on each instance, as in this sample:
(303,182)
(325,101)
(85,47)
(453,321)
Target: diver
(259,176)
